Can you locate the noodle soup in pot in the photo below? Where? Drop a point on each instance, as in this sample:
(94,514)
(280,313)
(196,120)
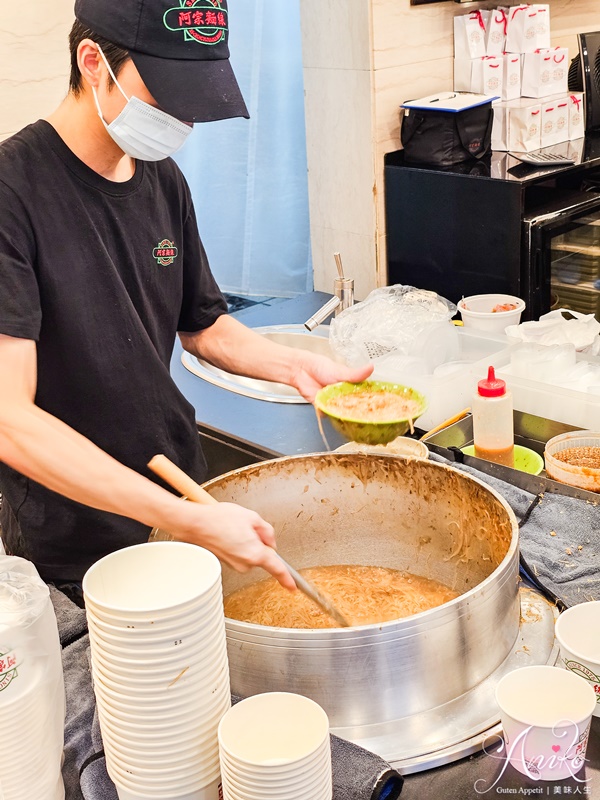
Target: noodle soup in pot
(363,595)
(399,517)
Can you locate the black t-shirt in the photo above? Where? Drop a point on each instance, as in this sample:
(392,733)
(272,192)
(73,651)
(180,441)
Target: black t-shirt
(101,275)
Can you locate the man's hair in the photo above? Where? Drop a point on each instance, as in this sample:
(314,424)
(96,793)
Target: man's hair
(115,55)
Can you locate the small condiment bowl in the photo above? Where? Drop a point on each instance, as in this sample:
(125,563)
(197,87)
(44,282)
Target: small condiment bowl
(526,460)
(363,430)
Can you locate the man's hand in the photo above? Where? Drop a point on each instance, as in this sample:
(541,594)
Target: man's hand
(314,371)
(236,535)
(231,346)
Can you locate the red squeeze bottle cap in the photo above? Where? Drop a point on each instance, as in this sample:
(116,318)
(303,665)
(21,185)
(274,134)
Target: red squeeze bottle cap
(493,386)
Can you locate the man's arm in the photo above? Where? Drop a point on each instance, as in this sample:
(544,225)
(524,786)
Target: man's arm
(51,453)
(232,346)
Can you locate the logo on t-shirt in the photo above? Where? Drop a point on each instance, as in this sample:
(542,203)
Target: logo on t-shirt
(203,21)
(166,253)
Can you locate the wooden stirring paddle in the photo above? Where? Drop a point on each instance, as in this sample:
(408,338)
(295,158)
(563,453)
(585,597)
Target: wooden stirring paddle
(178,479)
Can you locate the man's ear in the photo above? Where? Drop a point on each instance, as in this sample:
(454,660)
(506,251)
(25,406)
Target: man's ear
(90,62)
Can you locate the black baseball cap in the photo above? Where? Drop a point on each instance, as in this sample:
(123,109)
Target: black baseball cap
(180,48)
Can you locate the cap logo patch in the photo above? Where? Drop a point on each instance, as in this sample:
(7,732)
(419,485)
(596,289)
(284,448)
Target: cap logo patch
(203,21)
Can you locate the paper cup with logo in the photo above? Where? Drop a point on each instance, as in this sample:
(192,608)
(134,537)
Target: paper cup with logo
(578,634)
(546,714)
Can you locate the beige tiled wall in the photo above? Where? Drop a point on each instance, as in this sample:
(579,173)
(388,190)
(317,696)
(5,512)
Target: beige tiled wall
(34,60)
(362,59)
(338,84)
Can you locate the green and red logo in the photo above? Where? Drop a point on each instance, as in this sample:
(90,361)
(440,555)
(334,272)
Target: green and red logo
(166,253)
(8,667)
(203,21)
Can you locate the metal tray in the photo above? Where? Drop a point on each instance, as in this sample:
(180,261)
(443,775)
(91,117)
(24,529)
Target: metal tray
(530,431)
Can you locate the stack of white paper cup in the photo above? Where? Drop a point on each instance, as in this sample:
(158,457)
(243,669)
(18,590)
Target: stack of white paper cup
(32,697)
(275,746)
(160,669)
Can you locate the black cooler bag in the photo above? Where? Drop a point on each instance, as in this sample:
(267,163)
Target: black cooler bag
(441,138)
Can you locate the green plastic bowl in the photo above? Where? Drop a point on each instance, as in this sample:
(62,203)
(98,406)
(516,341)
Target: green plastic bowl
(526,460)
(361,430)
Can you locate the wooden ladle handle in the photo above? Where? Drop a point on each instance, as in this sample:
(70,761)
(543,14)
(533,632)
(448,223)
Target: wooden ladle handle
(177,478)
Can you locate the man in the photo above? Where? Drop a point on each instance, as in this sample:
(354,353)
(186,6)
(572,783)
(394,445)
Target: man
(100,266)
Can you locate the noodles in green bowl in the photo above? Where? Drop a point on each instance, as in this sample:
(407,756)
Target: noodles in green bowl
(371,412)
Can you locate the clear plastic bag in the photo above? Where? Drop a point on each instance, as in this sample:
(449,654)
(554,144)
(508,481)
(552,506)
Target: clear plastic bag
(581,330)
(398,328)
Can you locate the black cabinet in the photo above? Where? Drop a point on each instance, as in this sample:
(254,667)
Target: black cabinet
(495,227)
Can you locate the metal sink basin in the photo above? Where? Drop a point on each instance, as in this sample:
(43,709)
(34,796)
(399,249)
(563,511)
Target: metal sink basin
(291,335)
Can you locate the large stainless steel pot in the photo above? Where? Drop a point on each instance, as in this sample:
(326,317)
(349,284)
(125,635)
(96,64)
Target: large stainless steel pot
(404,513)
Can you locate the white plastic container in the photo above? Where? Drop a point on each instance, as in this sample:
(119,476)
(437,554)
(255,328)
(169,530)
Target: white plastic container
(572,406)
(450,388)
(477,312)
(493,427)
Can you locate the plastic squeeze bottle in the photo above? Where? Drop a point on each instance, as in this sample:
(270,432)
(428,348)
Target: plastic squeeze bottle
(493,427)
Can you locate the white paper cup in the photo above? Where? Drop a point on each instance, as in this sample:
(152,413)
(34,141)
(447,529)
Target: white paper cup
(476,312)
(318,791)
(201,653)
(183,627)
(194,727)
(211,792)
(161,710)
(546,714)
(158,620)
(321,793)
(163,577)
(147,665)
(208,645)
(188,752)
(175,754)
(194,771)
(267,783)
(196,751)
(280,771)
(273,730)
(199,687)
(159,678)
(153,710)
(149,729)
(157,714)
(578,633)
(166,786)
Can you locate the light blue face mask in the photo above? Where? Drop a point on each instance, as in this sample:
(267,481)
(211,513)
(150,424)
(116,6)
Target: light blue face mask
(142,131)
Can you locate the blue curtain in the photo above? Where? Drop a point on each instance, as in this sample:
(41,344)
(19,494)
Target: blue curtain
(249,177)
